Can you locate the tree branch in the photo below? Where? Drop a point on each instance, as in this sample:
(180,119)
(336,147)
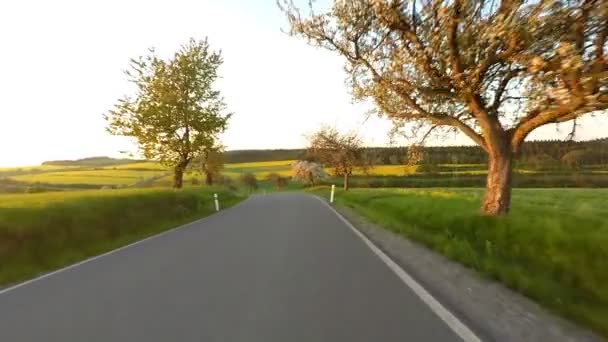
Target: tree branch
(455,61)
(537,118)
(466,129)
(502,86)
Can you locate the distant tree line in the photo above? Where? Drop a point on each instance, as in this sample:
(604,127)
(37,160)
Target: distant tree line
(534,153)
(543,153)
(250,156)
(92,161)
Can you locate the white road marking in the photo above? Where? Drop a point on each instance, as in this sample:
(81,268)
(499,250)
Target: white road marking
(452,321)
(46,275)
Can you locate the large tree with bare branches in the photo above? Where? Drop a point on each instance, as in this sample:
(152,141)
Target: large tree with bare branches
(494,70)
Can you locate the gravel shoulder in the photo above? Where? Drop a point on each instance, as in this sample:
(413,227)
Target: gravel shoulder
(495,312)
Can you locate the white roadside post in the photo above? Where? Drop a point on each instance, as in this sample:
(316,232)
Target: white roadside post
(333,190)
(217,203)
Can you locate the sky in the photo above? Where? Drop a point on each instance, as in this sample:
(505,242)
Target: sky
(62,64)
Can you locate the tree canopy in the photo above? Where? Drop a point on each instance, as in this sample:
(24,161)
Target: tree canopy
(340,152)
(211,163)
(308,172)
(494,70)
(175,113)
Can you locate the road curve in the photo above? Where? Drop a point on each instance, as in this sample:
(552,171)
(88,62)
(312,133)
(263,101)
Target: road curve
(279,268)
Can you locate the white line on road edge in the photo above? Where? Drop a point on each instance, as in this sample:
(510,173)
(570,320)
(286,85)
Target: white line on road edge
(46,275)
(454,323)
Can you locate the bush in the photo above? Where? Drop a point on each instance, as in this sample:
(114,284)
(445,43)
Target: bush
(277,180)
(248,179)
(308,172)
(35,189)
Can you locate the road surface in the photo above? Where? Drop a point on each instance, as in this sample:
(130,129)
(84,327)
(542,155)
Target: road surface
(279,268)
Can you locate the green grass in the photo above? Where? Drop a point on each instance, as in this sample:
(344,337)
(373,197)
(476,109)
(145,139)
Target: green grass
(96,177)
(153,166)
(141,174)
(35,168)
(552,247)
(43,232)
(260,169)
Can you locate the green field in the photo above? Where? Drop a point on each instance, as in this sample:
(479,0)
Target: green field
(551,247)
(143,174)
(42,232)
(92,177)
(143,166)
(35,168)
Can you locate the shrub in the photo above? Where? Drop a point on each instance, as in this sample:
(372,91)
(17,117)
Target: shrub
(308,172)
(277,180)
(248,179)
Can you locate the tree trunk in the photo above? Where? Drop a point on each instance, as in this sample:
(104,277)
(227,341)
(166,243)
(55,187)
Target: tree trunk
(208,178)
(178,174)
(346,178)
(498,188)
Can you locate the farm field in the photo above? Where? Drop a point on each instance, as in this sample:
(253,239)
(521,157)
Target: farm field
(551,247)
(141,173)
(35,168)
(93,177)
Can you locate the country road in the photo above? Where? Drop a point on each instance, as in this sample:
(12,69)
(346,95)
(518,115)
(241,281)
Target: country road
(278,267)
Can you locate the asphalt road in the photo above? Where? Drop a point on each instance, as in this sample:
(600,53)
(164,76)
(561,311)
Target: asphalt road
(276,268)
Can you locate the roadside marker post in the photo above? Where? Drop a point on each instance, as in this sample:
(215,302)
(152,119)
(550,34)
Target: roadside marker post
(333,190)
(217,203)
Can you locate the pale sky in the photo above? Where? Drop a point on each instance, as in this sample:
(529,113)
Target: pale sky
(62,63)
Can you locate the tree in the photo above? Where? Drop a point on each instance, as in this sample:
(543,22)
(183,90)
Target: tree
(428,164)
(175,113)
(212,163)
(494,70)
(341,152)
(249,180)
(574,159)
(308,172)
(277,180)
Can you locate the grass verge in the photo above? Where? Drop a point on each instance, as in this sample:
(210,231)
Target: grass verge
(551,248)
(43,232)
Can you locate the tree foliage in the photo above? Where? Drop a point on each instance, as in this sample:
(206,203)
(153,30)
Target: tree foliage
(308,172)
(175,113)
(494,70)
(278,181)
(211,163)
(343,153)
(248,179)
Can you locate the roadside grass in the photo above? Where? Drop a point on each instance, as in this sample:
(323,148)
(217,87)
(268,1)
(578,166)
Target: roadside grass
(43,232)
(552,247)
